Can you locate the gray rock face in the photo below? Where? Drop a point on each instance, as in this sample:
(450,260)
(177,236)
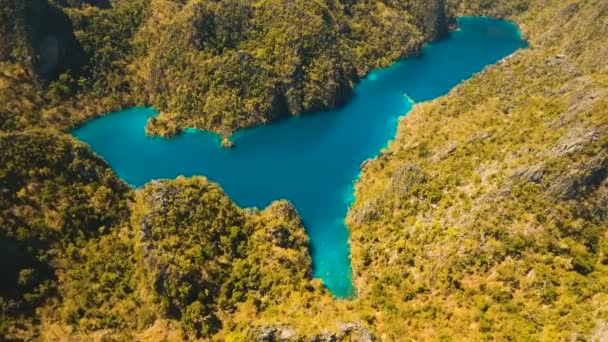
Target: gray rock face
(266,333)
(435,20)
(367,212)
(533,174)
(285,209)
(601,331)
(554,60)
(575,141)
(40,36)
(583,178)
(355,331)
(287,334)
(51,35)
(585,95)
(569,10)
(477,137)
(160,195)
(49,51)
(402,181)
(446,151)
(565,187)
(562,63)
(595,171)
(280,332)
(284,231)
(366,163)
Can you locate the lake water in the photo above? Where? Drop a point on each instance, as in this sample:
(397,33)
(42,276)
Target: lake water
(311,160)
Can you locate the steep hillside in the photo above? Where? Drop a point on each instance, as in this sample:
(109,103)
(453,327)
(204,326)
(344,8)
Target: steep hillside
(56,197)
(226,65)
(203,255)
(85,50)
(39,36)
(215,65)
(486,217)
(83,255)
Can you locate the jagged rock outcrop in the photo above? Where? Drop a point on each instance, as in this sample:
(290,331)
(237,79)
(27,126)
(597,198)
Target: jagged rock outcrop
(582,178)
(445,151)
(284,333)
(224,255)
(575,140)
(532,174)
(434,19)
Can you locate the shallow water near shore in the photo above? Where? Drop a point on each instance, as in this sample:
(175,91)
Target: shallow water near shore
(311,160)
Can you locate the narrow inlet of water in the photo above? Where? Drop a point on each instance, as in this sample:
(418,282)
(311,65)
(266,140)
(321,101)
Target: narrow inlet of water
(311,160)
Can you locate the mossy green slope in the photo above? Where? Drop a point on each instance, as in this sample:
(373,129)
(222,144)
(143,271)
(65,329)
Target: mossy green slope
(202,256)
(226,65)
(214,65)
(485,218)
(84,255)
(57,196)
(86,52)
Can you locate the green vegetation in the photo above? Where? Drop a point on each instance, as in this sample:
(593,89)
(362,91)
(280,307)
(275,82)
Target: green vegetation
(226,65)
(56,197)
(81,250)
(485,219)
(203,255)
(214,65)
(87,56)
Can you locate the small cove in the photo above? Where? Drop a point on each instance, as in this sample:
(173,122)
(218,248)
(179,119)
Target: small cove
(311,160)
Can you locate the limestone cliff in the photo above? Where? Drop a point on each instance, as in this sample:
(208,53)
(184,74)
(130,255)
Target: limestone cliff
(39,35)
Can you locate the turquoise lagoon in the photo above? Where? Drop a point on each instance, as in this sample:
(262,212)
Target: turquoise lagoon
(311,160)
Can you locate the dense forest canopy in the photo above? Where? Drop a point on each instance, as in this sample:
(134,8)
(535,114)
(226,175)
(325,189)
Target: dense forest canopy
(485,219)
(214,65)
